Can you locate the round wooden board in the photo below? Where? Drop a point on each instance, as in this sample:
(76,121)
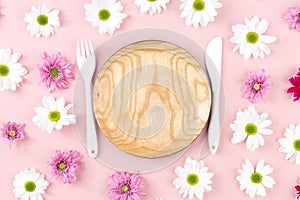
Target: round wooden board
(151,99)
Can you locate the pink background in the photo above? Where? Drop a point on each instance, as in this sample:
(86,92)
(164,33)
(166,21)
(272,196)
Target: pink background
(39,146)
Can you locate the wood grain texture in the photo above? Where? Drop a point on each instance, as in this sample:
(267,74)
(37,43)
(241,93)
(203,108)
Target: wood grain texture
(151,99)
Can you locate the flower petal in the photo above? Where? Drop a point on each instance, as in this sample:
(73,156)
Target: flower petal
(267,39)
(262,26)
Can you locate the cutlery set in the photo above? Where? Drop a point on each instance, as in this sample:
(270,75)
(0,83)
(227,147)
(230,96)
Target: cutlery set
(86,62)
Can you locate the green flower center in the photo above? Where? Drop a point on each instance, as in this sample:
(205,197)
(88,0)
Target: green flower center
(256,178)
(252,37)
(4,70)
(54,72)
(251,129)
(297,145)
(152,0)
(125,188)
(104,14)
(62,166)
(30,186)
(12,133)
(42,20)
(54,116)
(192,179)
(198,5)
(256,86)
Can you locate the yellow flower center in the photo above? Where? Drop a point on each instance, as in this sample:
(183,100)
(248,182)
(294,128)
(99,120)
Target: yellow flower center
(192,179)
(12,133)
(297,145)
(62,166)
(30,186)
(198,5)
(42,20)
(54,116)
(251,129)
(4,70)
(54,72)
(104,14)
(125,188)
(256,86)
(256,178)
(252,37)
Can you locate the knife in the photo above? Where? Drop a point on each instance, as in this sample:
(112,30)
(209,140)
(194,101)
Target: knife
(213,60)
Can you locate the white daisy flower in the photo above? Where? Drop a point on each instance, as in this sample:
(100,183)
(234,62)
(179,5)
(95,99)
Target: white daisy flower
(53,115)
(41,20)
(250,38)
(29,185)
(291,144)
(251,126)
(193,179)
(151,6)
(11,71)
(198,12)
(105,14)
(254,181)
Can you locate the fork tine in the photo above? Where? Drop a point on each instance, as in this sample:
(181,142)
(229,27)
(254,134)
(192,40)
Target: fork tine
(87,50)
(82,49)
(91,46)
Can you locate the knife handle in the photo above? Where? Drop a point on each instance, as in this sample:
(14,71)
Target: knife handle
(214,125)
(91,134)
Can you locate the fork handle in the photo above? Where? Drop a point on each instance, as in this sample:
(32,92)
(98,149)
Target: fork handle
(91,134)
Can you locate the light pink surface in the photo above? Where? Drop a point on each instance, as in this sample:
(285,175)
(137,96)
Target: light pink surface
(38,146)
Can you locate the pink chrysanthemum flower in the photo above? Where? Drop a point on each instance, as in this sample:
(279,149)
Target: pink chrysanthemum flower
(55,71)
(293,18)
(64,165)
(297,188)
(256,86)
(125,186)
(12,131)
(295,89)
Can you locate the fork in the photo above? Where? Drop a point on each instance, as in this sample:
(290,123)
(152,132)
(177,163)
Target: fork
(86,62)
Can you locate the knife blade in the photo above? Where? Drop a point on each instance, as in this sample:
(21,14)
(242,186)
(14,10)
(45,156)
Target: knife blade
(213,60)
